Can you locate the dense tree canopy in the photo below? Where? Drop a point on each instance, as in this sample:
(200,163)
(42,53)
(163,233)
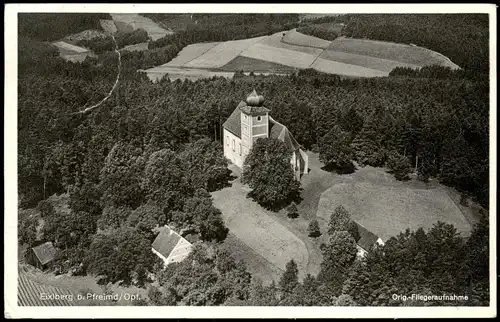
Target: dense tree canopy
(268,172)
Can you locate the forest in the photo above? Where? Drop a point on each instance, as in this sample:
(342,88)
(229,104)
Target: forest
(151,154)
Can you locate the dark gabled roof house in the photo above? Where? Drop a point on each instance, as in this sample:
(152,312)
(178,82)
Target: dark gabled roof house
(42,255)
(366,240)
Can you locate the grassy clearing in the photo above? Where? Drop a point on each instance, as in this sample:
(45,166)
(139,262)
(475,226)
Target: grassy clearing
(136,21)
(69,48)
(387,207)
(391,51)
(384,65)
(334,67)
(256,264)
(247,64)
(191,52)
(71,52)
(108,26)
(222,53)
(293,37)
(136,47)
(258,228)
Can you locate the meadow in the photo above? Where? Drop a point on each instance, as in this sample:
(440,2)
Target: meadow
(128,22)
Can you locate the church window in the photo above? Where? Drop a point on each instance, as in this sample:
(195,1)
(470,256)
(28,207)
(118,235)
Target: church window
(259,118)
(227,140)
(233,144)
(240,150)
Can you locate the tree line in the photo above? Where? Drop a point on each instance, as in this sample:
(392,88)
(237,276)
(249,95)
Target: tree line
(437,262)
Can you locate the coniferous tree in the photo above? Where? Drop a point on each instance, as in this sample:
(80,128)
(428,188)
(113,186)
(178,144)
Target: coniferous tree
(313,228)
(339,220)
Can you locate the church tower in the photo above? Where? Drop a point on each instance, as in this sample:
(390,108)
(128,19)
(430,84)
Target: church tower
(254,121)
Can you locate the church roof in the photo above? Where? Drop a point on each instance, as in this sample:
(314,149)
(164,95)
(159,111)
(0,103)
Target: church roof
(280,132)
(233,123)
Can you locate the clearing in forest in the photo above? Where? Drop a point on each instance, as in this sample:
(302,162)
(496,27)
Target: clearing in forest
(392,51)
(136,21)
(387,207)
(71,52)
(136,47)
(258,229)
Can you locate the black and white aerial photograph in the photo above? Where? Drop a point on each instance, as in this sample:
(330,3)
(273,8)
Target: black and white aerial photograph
(270,160)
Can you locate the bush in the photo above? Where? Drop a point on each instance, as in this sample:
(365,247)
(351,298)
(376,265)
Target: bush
(313,229)
(292,211)
(399,166)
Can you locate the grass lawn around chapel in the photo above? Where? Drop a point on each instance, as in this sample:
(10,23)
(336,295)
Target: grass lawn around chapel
(374,198)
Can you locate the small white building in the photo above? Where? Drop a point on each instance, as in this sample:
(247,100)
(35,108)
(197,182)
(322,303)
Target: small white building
(251,121)
(170,246)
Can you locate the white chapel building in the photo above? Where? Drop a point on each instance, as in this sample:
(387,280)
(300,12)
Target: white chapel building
(251,121)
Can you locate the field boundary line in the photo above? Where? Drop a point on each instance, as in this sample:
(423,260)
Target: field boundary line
(289,43)
(203,53)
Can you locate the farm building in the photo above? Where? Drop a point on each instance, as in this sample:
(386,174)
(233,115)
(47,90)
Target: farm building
(42,255)
(366,240)
(251,121)
(170,246)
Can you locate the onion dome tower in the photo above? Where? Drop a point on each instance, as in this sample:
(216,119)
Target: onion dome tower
(254,121)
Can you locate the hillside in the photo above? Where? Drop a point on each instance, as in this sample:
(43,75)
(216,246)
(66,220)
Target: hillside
(294,51)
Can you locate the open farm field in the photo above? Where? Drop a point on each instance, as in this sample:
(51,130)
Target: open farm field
(222,53)
(296,38)
(191,52)
(391,51)
(275,40)
(136,21)
(36,282)
(334,67)
(30,293)
(288,51)
(246,64)
(279,55)
(380,64)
